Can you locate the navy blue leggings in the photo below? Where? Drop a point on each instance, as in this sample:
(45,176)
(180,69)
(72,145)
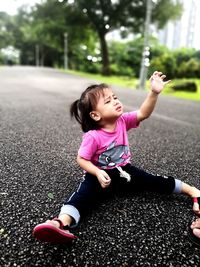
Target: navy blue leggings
(90,192)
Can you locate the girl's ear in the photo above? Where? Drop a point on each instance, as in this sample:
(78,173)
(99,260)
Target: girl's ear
(95,115)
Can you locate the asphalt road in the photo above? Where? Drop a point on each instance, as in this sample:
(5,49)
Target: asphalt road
(38,146)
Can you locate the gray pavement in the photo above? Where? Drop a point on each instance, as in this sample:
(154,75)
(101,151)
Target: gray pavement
(38,146)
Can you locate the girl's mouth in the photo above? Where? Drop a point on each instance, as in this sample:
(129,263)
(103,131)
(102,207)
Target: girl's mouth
(119,108)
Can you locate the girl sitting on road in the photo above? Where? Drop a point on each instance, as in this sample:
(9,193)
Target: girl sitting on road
(104,155)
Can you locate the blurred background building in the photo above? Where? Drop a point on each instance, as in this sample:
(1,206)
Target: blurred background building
(176,34)
(185,31)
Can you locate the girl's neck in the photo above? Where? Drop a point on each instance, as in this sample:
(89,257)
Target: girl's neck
(109,127)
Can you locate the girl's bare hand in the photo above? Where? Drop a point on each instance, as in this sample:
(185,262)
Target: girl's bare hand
(157,82)
(103,178)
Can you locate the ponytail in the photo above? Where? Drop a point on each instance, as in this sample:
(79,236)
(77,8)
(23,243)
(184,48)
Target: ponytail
(81,112)
(74,110)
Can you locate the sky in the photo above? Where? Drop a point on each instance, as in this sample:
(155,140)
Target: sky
(10,6)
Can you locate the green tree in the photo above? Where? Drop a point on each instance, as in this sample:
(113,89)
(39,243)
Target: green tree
(165,63)
(23,37)
(183,54)
(6,29)
(183,57)
(50,21)
(107,15)
(120,59)
(125,58)
(47,31)
(84,21)
(189,69)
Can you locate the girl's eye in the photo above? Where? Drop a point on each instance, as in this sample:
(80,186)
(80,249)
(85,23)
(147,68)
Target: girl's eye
(108,101)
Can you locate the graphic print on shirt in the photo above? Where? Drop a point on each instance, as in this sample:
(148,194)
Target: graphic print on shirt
(113,155)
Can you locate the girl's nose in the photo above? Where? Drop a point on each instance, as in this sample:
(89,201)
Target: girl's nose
(115,101)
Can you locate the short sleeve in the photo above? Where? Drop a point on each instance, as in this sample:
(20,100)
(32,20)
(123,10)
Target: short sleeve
(130,119)
(88,146)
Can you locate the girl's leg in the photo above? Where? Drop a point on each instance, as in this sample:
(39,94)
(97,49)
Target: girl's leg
(190,190)
(142,180)
(54,231)
(81,201)
(194,193)
(65,219)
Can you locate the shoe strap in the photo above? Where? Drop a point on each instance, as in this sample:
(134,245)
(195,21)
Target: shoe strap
(196,199)
(62,226)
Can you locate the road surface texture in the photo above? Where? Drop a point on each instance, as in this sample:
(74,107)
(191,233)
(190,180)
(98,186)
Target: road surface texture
(38,169)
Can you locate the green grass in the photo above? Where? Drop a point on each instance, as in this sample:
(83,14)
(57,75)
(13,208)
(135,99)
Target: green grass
(115,80)
(132,83)
(187,95)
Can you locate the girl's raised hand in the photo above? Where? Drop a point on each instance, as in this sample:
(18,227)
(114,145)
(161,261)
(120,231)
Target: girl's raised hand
(157,82)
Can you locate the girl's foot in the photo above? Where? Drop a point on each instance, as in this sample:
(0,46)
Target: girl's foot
(195,226)
(194,232)
(53,231)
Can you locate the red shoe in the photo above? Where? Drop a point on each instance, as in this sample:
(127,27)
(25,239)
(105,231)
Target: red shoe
(46,232)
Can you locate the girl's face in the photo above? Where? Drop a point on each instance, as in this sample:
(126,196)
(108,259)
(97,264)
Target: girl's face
(108,108)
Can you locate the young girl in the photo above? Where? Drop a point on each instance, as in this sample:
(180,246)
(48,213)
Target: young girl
(104,155)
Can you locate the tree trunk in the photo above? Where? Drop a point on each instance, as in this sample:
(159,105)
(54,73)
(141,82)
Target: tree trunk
(105,55)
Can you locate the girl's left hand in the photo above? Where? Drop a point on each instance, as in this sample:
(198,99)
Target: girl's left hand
(103,178)
(157,83)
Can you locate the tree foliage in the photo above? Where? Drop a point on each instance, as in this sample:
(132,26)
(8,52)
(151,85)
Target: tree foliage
(6,30)
(87,24)
(50,21)
(107,15)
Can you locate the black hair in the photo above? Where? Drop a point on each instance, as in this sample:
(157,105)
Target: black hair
(81,108)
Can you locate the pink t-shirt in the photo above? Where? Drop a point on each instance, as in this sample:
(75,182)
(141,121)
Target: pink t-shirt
(108,150)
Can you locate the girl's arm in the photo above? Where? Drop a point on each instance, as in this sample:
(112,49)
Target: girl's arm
(157,84)
(101,175)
